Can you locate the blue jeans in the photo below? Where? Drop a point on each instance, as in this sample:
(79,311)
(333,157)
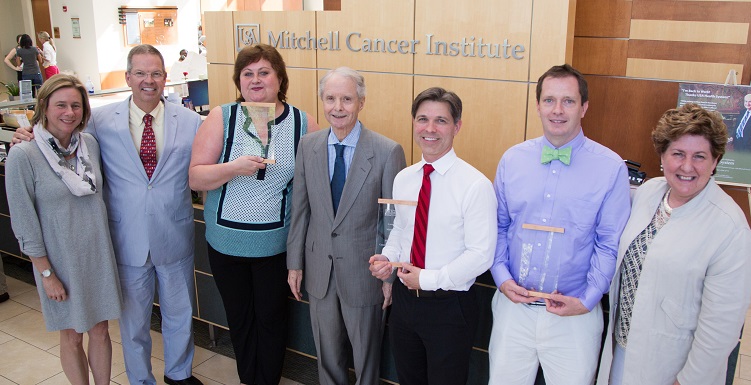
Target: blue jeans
(36,81)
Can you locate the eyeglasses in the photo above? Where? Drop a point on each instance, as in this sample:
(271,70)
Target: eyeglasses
(156,75)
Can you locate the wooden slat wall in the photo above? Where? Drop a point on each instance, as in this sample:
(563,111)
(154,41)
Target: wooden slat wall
(499,111)
(634,54)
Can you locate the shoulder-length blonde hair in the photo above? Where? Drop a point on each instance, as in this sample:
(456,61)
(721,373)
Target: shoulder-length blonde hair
(51,86)
(44,36)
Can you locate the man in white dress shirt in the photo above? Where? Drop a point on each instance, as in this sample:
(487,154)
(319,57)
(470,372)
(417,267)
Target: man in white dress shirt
(435,313)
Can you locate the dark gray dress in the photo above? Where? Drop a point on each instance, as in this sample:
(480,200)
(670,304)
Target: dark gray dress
(71,231)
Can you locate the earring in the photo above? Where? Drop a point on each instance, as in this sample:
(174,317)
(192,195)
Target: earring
(661,169)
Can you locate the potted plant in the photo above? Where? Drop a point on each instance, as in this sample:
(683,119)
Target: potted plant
(11,89)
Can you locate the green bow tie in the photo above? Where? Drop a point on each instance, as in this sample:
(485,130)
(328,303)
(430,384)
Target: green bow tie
(550,154)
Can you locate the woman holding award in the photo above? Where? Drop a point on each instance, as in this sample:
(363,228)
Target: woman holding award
(246,163)
(54,186)
(683,280)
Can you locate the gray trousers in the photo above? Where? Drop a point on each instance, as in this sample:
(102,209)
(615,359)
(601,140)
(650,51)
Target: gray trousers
(333,323)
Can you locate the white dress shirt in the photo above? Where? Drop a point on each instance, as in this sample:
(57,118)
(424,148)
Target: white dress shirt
(461,236)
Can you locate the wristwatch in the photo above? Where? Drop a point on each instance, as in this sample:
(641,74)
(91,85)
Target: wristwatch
(46,273)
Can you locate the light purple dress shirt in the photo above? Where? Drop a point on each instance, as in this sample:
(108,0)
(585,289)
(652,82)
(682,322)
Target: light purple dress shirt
(588,199)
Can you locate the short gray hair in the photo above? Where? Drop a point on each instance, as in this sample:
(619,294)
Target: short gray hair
(144,49)
(347,73)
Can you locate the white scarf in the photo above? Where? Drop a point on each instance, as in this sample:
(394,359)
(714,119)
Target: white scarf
(79,180)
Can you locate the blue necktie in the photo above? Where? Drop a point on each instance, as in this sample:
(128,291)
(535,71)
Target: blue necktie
(337,181)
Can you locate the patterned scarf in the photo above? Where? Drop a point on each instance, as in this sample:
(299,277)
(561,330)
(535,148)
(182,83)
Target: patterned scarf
(631,268)
(79,180)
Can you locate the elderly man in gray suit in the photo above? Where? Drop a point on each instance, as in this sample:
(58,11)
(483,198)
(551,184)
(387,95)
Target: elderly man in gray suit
(339,175)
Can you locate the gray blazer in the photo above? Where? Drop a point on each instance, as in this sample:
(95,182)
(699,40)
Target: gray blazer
(317,240)
(147,216)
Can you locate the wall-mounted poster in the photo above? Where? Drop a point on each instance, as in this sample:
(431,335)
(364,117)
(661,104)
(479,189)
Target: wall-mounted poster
(76,25)
(734,103)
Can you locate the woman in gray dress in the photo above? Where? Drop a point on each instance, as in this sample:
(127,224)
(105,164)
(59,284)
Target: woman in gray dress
(54,188)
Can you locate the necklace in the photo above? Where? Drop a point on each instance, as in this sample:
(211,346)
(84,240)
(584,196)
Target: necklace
(663,212)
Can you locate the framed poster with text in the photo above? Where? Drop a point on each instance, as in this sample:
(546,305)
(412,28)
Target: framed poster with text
(734,103)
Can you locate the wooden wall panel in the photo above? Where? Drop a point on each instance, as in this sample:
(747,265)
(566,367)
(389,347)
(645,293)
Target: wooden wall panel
(722,11)
(219,29)
(491,122)
(534,124)
(114,79)
(685,51)
(601,56)
(297,22)
(500,21)
(740,196)
(547,21)
(622,113)
(698,31)
(221,88)
(303,91)
(603,18)
(680,70)
(386,20)
(332,5)
(387,108)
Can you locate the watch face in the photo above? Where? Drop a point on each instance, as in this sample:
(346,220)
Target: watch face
(46,273)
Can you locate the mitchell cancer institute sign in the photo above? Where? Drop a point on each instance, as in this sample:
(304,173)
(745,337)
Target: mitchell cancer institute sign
(247,34)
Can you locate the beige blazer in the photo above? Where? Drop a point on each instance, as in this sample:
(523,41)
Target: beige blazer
(693,291)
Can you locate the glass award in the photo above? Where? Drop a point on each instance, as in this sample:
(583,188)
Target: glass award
(544,280)
(258,124)
(386,217)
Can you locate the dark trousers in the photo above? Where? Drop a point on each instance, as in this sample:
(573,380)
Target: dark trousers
(254,292)
(432,337)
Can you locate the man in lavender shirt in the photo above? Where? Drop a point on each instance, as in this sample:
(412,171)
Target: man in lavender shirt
(563,201)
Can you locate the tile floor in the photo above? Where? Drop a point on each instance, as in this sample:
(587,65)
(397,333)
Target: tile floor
(30,355)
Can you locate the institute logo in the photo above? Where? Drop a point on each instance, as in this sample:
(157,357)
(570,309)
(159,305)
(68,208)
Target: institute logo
(247,34)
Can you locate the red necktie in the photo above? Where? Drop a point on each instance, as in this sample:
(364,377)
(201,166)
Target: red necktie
(421,219)
(148,146)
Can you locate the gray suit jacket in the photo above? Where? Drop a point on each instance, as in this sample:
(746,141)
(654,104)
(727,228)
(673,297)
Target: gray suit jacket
(147,216)
(317,240)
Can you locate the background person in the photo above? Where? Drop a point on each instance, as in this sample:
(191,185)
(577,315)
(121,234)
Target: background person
(16,61)
(31,58)
(683,281)
(49,55)
(247,210)
(54,188)
(334,206)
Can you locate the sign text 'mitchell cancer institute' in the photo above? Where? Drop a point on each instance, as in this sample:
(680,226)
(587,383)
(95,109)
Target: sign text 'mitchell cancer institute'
(247,34)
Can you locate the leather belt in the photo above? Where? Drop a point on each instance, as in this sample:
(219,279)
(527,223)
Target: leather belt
(431,293)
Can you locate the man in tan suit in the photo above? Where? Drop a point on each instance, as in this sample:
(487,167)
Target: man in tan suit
(339,175)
